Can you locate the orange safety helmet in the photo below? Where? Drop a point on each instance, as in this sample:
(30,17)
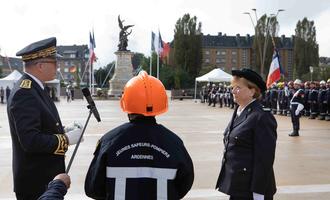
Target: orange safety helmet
(145,95)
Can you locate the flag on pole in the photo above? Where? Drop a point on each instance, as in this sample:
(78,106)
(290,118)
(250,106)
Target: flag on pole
(92,56)
(153,38)
(160,44)
(166,50)
(156,43)
(274,73)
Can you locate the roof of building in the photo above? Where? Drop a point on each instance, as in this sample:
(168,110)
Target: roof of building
(238,41)
(16,63)
(79,50)
(221,40)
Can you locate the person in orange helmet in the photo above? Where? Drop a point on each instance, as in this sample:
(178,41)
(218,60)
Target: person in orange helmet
(140,159)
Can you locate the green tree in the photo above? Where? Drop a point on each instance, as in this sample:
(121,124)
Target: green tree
(266,28)
(306,49)
(187,46)
(100,75)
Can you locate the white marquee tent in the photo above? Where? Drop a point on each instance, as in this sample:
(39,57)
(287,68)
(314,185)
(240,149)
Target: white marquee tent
(10,80)
(13,77)
(216,75)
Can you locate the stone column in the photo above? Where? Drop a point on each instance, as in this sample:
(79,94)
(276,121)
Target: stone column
(123,73)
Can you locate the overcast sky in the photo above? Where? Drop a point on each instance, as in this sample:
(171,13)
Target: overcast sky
(24,22)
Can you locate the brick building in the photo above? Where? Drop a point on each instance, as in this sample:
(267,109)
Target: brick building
(73,63)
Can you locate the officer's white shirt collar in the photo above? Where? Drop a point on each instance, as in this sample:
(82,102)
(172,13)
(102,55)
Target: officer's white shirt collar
(240,110)
(37,80)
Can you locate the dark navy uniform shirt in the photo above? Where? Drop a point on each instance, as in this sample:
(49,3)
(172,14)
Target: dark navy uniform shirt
(140,160)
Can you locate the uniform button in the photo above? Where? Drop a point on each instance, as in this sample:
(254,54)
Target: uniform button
(57,124)
(244,169)
(236,137)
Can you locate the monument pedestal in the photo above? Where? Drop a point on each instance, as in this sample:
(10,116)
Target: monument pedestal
(123,73)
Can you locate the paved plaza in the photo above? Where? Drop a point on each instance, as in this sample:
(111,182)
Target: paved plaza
(302,164)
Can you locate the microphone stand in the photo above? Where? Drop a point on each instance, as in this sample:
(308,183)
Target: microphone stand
(79,141)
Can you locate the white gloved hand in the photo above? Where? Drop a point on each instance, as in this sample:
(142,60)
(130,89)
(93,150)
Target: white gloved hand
(74,135)
(72,126)
(257,196)
(297,112)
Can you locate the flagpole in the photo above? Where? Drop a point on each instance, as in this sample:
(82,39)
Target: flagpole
(150,64)
(157,66)
(92,71)
(90,75)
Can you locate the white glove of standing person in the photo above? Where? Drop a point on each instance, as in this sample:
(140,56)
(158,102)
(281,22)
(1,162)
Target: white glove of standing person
(74,135)
(300,107)
(257,196)
(72,126)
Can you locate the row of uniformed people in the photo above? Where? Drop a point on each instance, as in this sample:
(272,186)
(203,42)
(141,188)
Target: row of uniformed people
(213,94)
(316,98)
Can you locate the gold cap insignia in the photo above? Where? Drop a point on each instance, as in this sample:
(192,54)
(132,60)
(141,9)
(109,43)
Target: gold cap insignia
(26,83)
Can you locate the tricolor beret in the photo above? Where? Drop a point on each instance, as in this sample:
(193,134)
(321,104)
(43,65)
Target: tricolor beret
(252,76)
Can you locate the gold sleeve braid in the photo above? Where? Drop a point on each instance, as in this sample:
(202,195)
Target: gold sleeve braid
(62,146)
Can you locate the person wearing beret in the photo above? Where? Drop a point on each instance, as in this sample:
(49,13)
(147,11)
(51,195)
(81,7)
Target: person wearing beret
(39,141)
(249,143)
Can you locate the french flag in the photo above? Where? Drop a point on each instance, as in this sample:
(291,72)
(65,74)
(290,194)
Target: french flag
(274,73)
(92,56)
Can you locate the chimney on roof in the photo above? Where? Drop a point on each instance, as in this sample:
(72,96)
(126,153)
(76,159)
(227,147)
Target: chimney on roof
(237,35)
(220,34)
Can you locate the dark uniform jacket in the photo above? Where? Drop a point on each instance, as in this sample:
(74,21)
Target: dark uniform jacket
(37,137)
(138,158)
(249,153)
(56,191)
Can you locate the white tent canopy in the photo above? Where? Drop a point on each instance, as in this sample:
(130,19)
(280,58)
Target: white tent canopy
(216,75)
(10,80)
(13,77)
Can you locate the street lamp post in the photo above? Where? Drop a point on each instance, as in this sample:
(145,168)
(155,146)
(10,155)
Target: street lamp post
(311,70)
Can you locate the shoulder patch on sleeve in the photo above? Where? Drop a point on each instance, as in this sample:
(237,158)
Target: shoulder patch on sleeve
(26,83)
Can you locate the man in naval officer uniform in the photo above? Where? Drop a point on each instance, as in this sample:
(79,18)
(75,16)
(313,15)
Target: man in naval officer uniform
(141,159)
(39,140)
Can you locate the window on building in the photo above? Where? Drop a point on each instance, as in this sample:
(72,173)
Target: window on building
(207,52)
(72,55)
(233,60)
(223,52)
(218,53)
(66,69)
(207,60)
(233,52)
(66,63)
(217,60)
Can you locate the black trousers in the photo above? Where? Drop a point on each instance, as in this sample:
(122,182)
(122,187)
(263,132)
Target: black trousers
(295,118)
(247,198)
(28,196)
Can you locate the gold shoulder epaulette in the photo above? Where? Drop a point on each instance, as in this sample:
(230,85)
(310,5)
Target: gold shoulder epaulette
(26,83)
(62,145)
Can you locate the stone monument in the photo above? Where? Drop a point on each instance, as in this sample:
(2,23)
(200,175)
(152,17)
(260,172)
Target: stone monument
(123,67)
